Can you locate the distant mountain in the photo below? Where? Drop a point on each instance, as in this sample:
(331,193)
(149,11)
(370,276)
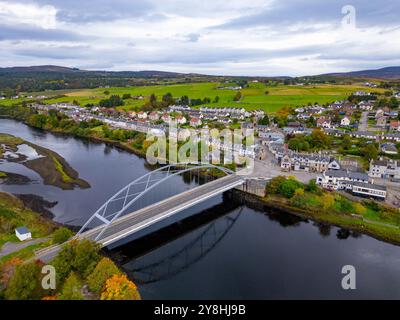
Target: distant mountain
(383,73)
(49,69)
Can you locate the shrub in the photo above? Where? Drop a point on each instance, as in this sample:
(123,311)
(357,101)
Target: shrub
(104,270)
(62,235)
(273,185)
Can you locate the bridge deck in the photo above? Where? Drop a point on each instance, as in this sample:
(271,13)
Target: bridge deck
(140,219)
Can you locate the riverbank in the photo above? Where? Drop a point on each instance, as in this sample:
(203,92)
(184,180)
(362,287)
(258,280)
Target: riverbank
(382,231)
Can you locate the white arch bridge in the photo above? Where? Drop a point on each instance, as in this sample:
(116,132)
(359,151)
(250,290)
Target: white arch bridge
(114,223)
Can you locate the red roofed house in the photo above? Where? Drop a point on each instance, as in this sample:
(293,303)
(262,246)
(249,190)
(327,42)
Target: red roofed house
(195,122)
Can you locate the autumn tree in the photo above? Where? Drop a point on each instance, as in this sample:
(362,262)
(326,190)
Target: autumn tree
(118,287)
(25,283)
(104,270)
(8,270)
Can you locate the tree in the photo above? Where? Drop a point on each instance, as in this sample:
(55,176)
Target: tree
(238,96)
(346,142)
(61,235)
(168,99)
(104,270)
(38,121)
(72,288)
(370,152)
(289,187)
(126,96)
(106,92)
(274,184)
(8,270)
(216,99)
(312,186)
(266,92)
(153,100)
(118,287)
(320,140)
(76,256)
(25,283)
(264,121)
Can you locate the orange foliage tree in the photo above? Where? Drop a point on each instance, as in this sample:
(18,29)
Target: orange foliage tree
(7,271)
(118,287)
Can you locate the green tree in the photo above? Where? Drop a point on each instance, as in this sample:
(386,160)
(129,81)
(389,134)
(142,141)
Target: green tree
(238,96)
(274,184)
(104,270)
(264,121)
(61,235)
(370,152)
(289,187)
(72,288)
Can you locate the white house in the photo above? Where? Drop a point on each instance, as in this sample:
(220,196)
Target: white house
(142,115)
(345,121)
(195,122)
(23,233)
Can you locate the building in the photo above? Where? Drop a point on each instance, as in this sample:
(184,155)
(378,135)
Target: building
(368,190)
(323,122)
(385,169)
(195,122)
(345,121)
(154,116)
(308,162)
(395,125)
(381,121)
(142,115)
(341,179)
(23,234)
(180,119)
(389,148)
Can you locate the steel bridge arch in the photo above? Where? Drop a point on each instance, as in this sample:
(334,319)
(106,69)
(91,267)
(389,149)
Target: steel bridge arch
(124,193)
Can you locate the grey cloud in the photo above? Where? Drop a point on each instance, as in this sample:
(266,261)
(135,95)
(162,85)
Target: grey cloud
(28,32)
(291,12)
(99,10)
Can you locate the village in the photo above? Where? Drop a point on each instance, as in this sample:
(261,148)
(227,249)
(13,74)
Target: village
(283,146)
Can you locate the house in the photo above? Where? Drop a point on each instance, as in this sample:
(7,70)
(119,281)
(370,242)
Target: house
(368,190)
(379,113)
(323,122)
(345,121)
(166,118)
(286,163)
(23,233)
(385,169)
(142,115)
(395,125)
(361,93)
(366,106)
(180,119)
(389,148)
(381,121)
(341,179)
(195,122)
(154,116)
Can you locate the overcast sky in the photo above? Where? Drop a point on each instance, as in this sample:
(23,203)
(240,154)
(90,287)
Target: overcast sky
(226,37)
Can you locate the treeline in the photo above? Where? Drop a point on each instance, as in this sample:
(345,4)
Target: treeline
(81,274)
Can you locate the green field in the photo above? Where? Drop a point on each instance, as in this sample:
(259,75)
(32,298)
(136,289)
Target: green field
(254,97)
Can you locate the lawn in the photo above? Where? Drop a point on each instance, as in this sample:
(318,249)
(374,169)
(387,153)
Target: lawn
(254,97)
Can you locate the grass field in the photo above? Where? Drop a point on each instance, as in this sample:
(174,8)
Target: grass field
(254,97)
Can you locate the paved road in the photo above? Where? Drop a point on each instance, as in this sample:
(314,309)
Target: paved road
(147,216)
(363,126)
(11,247)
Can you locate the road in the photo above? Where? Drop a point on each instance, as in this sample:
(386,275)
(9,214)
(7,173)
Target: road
(363,126)
(147,216)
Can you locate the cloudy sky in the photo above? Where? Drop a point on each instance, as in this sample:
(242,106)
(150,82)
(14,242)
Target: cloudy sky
(234,37)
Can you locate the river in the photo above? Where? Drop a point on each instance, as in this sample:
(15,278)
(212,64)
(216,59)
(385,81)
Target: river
(224,248)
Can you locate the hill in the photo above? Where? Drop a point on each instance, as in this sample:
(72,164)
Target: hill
(383,73)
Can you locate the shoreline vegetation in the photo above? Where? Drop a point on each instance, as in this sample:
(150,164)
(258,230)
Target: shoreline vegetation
(311,202)
(365,216)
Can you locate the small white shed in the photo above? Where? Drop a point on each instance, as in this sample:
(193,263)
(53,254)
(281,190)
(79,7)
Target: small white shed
(23,233)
